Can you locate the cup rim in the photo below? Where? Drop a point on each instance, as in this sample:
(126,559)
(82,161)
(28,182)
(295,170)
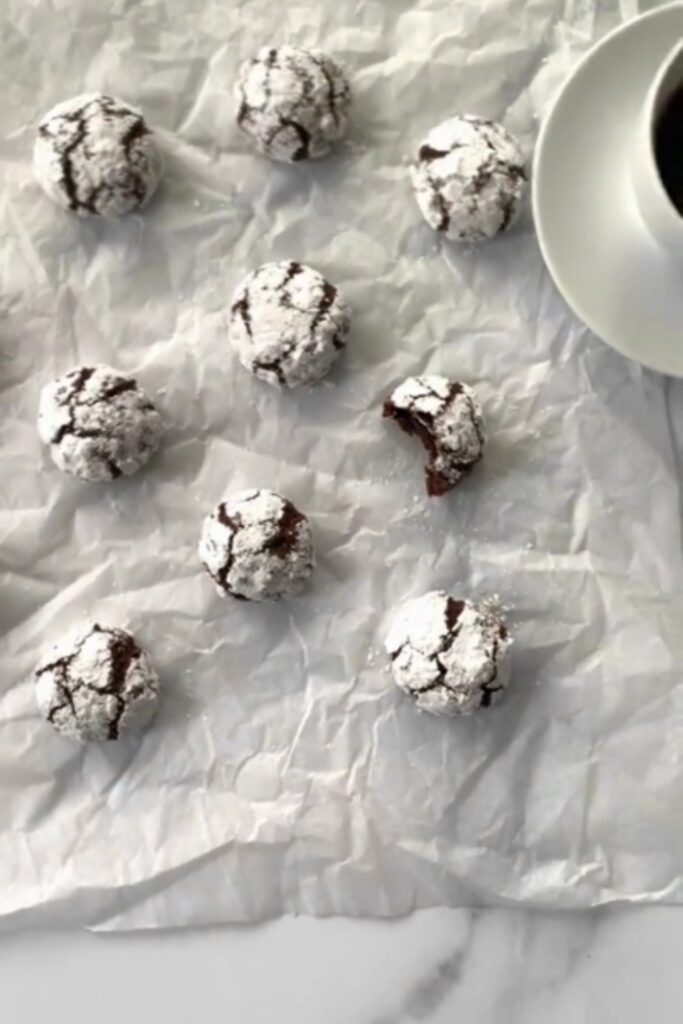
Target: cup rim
(651,114)
(601,315)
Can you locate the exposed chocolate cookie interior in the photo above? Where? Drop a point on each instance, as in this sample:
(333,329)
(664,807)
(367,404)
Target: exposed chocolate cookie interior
(450,656)
(292,103)
(257,546)
(447,418)
(96,684)
(469,178)
(96,155)
(98,423)
(288,324)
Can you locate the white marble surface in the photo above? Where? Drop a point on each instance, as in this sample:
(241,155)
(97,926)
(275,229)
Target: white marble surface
(442,967)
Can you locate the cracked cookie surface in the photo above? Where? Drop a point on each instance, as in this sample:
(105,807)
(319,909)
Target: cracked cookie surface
(257,546)
(99,424)
(288,324)
(292,103)
(446,416)
(96,684)
(450,656)
(469,178)
(95,155)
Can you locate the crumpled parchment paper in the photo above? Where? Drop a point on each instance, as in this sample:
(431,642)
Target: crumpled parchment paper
(285,772)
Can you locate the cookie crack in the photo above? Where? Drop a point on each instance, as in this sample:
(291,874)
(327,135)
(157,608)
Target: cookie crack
(234,524)
(453,611)
(89,202)
(243,309)
(293,269)
(393,655)
(488,689)
(67,698)
(123,652)
(137,131)
(245,107)
(321,64)
(302,152)
(64,685)
(427,153)
(509,205)
(70,186)
(120,388)
(274,365)
(442,207)
(286,532)
(329,295)
(81,379)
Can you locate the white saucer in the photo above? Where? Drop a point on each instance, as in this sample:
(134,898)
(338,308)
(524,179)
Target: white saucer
(597,248)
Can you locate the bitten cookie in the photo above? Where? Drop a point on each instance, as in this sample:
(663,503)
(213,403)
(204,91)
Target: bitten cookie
(257,546)
(292,103)
(469,179)
(447,418)
(99,424)
(450,656)
(96,684)
(96,155)
(288,324)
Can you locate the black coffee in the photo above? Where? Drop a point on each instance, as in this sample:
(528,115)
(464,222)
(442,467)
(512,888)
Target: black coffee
(669,148)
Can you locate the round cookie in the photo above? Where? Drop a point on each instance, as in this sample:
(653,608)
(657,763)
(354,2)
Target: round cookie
(257,546)
(96,155)
(99,424)
(96,684)
(469,179)
(447,418)
(450,656)
(288,324)
(292,103)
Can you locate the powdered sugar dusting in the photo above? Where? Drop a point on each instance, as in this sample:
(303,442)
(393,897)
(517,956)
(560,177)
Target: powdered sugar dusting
(450,656)
(469,178)
(96,684)
(257,546)
(293,103)
(288,324)
(96,155)
(98,423)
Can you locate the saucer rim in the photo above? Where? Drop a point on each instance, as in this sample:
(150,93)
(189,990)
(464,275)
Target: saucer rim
(565,291)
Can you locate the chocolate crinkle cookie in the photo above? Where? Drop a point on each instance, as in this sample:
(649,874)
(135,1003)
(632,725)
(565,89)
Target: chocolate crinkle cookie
(288,324)
(99,424)
(96,684)
(450,656)
(96,155)
(292,103)
(469,179)
(257,546)
(447,418)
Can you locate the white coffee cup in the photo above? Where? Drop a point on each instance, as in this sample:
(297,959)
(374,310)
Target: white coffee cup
(662,219)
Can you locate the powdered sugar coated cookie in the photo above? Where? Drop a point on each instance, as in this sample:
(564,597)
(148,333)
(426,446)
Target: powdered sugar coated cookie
(469,178)
(96,684)
(292,103)
(96,155)
(447,418)
(288,324)
(98,423)
(257,546)
(450,656)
